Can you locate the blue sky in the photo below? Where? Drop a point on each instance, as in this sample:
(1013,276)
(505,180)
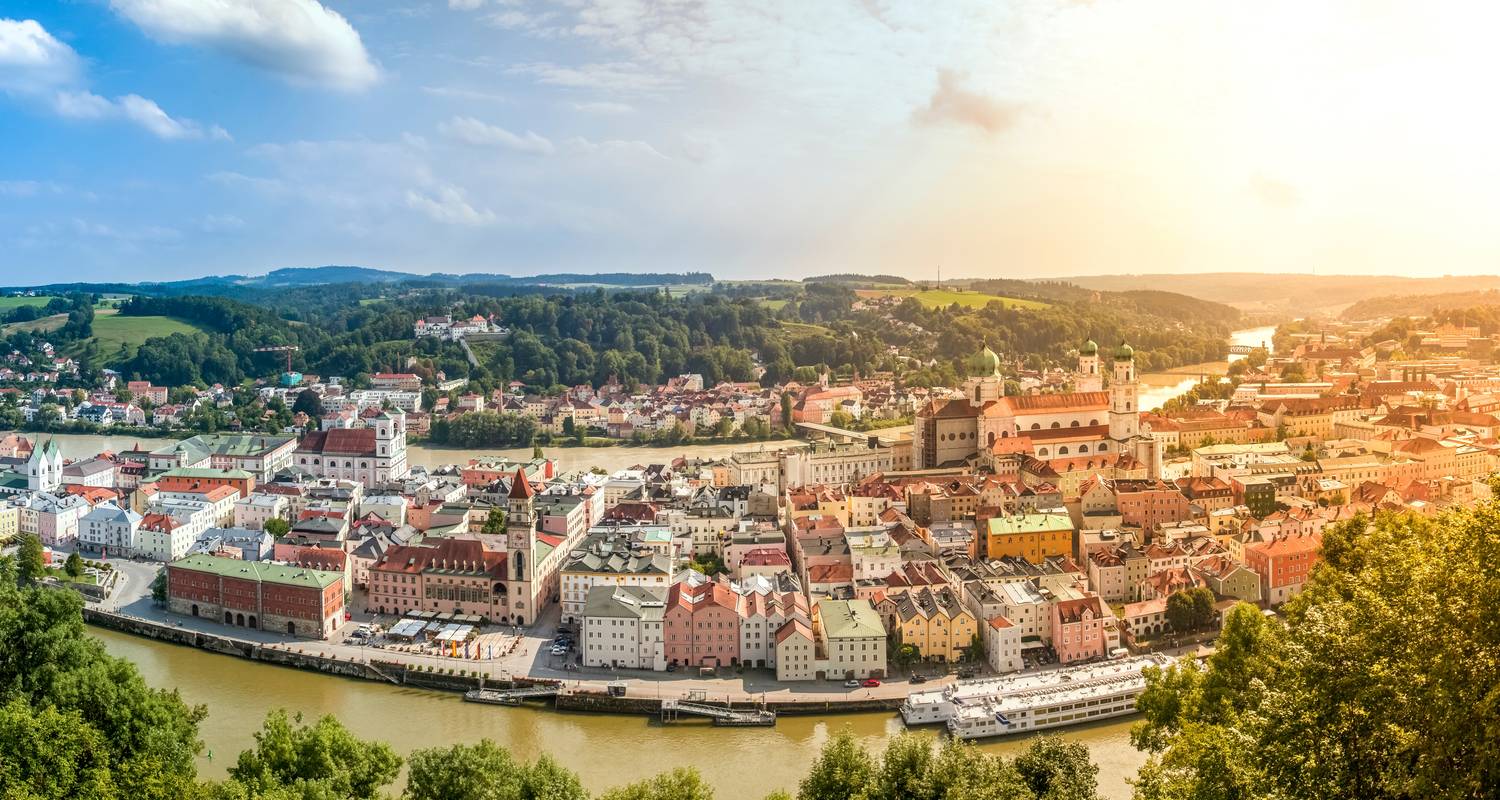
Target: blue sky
(160,139)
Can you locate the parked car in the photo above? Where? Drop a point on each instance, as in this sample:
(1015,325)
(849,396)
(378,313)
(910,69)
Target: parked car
(852,683)
(869,683)
(919,679)
(559,651)
(672,667)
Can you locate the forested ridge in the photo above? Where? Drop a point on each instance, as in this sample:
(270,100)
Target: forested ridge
(564,337)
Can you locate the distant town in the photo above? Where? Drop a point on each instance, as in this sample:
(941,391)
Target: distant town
(1018,523)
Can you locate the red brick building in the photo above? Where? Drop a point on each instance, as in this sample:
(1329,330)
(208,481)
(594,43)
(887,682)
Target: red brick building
(252,594)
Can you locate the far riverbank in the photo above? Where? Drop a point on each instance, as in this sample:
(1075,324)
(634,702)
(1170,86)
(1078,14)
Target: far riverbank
(569,459)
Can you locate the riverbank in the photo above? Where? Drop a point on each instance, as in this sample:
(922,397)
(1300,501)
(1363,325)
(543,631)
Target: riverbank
(568,459)
(578,691)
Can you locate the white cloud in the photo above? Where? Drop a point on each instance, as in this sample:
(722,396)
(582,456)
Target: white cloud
(604,107)
(465,5)
(614,147)
(471,131)
(31,59)
(82,105)
(463,94)
(35,65)
(146,113)
(144,233)
(28,188)
(220,223)
(300,39)
(449,207)
(609,76)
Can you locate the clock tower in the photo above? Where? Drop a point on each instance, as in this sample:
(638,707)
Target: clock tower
(520,550)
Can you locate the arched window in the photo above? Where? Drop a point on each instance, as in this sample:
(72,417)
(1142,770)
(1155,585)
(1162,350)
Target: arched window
(1042,452)
(1062,451)
(1083,448)
(1073,424)
(1056,425)
(1093,422)
(1036,426)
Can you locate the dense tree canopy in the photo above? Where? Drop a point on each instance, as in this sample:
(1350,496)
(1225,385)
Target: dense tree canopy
(1380,682)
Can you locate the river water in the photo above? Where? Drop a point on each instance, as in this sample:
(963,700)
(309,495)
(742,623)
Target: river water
(1159,387)
(605,750)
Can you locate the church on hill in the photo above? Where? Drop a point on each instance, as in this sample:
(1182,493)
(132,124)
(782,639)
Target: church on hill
(1094,421)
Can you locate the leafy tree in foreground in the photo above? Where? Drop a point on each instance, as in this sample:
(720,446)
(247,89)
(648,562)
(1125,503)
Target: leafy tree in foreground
(1380,683)
(322,760)
(144,739)
(29,564)
(679,784)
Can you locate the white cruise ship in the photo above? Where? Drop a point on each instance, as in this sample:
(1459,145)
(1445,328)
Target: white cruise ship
(1033,701)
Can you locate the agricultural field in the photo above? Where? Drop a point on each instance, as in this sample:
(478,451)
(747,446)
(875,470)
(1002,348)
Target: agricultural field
(803,327)
(111,331)
(8,303)
(774,305)
(933,298)
(39,325)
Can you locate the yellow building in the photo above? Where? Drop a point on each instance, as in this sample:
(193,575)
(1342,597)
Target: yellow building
(1033,537)
(935,623)
(10,522)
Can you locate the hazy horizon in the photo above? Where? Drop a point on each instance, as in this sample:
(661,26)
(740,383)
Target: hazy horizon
(166,139)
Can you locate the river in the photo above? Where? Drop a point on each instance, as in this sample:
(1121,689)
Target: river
(87,445)
(605,750)
(1159,387)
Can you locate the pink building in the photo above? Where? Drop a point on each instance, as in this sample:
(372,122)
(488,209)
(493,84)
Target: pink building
(702,625)
(1079,629)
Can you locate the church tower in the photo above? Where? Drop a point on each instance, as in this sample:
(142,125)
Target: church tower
(44,468)
(390,444)
(985,382)
(520,539)
(1124,413)
(1088,378)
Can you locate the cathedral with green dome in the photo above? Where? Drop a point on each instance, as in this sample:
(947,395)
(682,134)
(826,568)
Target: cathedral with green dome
(1099,424)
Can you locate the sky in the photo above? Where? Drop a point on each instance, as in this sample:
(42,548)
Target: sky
(163,139)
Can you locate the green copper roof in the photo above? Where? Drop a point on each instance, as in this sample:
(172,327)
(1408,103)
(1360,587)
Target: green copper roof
(1124,352)
(984,363)
(259,571)
(1089,348)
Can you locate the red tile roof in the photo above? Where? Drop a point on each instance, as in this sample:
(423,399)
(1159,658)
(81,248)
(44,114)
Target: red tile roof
(340,441)
(520,486)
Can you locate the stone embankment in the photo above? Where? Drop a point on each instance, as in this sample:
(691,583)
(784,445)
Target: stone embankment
(579,695)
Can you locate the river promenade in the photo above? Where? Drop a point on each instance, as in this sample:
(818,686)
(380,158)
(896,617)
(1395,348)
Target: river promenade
(518,656)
